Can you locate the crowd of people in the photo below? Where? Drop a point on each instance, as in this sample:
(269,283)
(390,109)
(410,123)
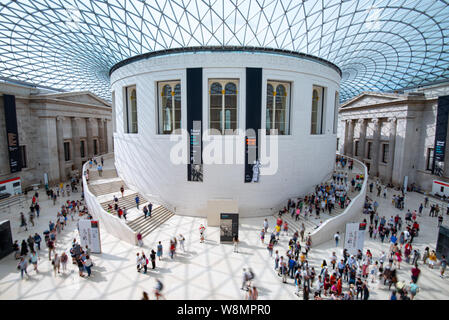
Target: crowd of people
(29,250)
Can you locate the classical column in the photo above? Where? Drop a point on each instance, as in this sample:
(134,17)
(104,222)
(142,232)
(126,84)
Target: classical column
(76,144)
(374,168)
(105,136)
(350,150)
(60,143)
(391,148)
(101,135)
(89,137)
(362,140)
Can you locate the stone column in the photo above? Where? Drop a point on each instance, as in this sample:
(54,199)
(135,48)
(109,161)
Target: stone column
(391,148)
(376,146)
(76,144)
(362,140)
(60,144)
(350,150)
(89,137)
(105,136)
(101,135)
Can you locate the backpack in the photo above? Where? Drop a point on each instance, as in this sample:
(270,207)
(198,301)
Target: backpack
(147,260)
(251,275)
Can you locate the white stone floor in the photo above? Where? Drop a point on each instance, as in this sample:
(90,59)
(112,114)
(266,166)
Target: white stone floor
(205,271)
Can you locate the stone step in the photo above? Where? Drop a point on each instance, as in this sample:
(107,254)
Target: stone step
(127,201)
(106,188)
(146,225)
(107,174)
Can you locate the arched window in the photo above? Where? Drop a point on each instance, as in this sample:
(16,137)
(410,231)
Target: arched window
(317,120)
(278,108)
(130,113)
(169,106)
(223,105)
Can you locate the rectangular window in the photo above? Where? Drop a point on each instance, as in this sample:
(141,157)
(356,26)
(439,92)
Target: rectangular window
(317,121)
(336,107)
(429,164)
(368,151)
(223,105)
(130,112)
(278,108)
(23,156)
(169,106)
(67,151)
(356,148)
(385,152)
(95,146)
(82,148)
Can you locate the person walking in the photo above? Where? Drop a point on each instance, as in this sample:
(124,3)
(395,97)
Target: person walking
(88,265)
(159,251)
(236,243)
(64,260)
(22,266)
(153,259)
(150,209)
(34,259)
(51,248)
(265,225)
(56,263)
(137,199)
(139,239)
(443,265)
(181,242)
(337,238)
(202,229)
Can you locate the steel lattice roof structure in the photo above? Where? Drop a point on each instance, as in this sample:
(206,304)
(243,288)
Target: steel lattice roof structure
(379,45)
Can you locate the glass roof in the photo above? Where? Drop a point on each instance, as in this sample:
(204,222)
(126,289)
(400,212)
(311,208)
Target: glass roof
(380,45)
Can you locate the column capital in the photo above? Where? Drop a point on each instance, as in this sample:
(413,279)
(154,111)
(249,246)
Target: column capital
(376,121)
(361,121)
(392,119)
(77,119)
(348,121)
(90,119)
(60,118)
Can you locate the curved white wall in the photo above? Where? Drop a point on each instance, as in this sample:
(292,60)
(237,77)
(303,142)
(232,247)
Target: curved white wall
(143,160)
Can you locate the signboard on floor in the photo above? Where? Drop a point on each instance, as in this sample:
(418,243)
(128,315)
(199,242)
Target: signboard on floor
(354,238)
(89,232)
(443,242)
(229,226)
(5,238)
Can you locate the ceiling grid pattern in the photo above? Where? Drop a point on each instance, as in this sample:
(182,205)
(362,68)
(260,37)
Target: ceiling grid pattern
(380,45)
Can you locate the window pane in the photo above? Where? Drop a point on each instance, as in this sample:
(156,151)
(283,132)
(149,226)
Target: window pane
(133,111)
(269,115)
(280,114)
(167,109)
(216,108)
(177,99)
(314,127)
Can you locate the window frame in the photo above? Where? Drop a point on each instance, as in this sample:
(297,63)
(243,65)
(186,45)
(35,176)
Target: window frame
(67,151)
(223,82)
(356,148)
(160,120)
(369,147)
(288,89)
(430,155)
(23,157)
(320,113)
(128,112)
(95,146)
(385,159)
(83,148)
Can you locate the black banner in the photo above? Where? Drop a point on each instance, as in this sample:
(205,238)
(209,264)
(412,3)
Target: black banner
(229,226)
(443,242)
(441,130)
(194,123)
(12,134)
(253,122)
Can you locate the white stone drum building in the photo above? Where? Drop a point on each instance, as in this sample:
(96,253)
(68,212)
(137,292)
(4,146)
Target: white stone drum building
(158,95)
